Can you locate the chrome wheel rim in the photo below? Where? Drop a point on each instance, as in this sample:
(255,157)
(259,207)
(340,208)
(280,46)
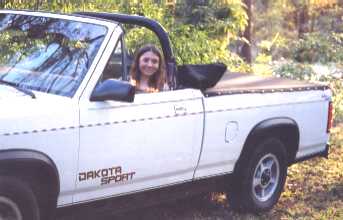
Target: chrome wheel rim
(266,177)
(9,210)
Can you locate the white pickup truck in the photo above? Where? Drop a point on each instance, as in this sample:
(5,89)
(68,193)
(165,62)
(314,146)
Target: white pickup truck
(74,132)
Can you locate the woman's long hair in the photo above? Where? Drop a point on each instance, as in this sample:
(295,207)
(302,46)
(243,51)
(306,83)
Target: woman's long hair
(157,80)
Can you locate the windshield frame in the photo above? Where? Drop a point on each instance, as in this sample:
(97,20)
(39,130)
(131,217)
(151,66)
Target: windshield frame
(110,26)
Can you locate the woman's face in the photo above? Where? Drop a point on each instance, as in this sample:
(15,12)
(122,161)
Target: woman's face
(149,63)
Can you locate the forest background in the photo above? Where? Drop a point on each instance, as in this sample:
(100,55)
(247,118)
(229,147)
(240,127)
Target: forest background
(297,39)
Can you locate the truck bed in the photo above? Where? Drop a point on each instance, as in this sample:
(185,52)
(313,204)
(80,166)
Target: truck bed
(240,83)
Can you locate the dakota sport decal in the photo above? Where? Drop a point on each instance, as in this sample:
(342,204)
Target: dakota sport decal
(107,175)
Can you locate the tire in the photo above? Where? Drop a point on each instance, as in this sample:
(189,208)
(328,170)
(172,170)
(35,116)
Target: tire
(258,184)
(17,200)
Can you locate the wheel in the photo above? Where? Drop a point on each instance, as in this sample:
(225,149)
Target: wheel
(258,184)
(17,200)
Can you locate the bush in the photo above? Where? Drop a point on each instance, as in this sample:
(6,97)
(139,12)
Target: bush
(193,46)
(292,70)
(273,49)
(315,47)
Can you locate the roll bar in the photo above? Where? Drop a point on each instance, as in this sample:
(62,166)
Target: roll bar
(153,26)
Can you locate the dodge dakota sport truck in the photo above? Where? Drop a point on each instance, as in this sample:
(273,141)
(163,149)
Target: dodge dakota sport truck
(73,132)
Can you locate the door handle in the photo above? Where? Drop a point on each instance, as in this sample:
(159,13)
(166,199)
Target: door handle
(180,110)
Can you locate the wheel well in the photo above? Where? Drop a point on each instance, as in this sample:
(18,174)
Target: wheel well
(31,172)
(41,180)
(290,138)
(285,129)
(37,170)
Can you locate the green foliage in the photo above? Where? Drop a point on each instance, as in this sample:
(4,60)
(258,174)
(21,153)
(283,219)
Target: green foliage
(136,37)
(202,42)
(315,47)
(217,17)
(147,8)
(291,20)
(293,70)
(263,58)
(273,18)
(207,30)
(273,49)
(192,43)
(193,46)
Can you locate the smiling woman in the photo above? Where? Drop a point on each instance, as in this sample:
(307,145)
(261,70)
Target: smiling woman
(148,70)
(47,54)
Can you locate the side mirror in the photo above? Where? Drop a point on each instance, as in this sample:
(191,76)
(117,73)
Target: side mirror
(112,89)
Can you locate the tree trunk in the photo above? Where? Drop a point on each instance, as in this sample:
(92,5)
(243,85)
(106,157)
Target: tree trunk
(37,5)
(246,49)
(303,19)
(2,3)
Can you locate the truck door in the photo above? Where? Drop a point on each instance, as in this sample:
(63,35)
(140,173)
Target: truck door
(127,147)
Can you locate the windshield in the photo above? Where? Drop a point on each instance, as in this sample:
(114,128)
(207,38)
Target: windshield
(47,54)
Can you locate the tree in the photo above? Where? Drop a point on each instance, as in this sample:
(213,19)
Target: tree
(246,49)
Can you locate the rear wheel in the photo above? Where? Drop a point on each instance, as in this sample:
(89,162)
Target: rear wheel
(259,181)
(17,200)
(266,177)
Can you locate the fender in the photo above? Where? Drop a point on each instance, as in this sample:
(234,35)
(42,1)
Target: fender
(286,129)
(23,158)
(274,123)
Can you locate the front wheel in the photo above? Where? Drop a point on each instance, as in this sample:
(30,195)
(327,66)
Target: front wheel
(17,200)
(260,180)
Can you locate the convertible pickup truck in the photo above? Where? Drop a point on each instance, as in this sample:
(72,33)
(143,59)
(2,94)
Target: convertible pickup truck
(74,133)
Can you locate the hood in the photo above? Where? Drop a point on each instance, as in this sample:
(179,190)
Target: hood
(8,92)
(20,112)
